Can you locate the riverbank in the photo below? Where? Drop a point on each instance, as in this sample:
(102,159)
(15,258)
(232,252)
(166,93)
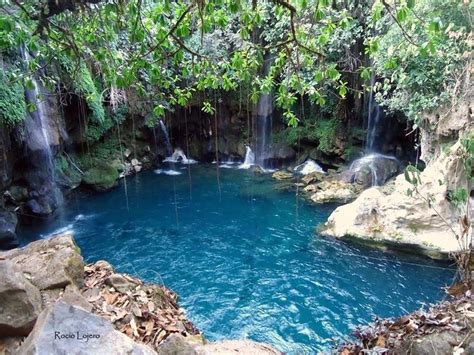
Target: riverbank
(444,328)
(51,302)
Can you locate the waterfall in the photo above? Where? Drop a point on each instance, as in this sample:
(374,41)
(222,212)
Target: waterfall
(249,159)
(40,138)
(263,122)
(374,113)
(309,167)
(373,162)
(178,156)
(169,147)
(42,133)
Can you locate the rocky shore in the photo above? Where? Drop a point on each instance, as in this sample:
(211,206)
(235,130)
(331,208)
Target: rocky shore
(445,328)
(51,303)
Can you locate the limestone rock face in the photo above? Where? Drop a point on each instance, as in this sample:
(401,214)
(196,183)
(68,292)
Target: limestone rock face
(332,191)
(50,263)
(20,301)
(388,214)
(65,329)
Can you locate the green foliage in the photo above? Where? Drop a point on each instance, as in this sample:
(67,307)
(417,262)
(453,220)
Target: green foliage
(83,84)
(458,196)
(324,132)
(12,101)
(95,130)
(422,60)
(467,145)
(327,132)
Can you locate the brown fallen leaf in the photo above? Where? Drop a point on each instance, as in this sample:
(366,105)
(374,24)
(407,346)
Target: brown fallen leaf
(380,341)
(110,298)
(149,327)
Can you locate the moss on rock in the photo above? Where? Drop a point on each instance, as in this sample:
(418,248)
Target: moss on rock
(101,177)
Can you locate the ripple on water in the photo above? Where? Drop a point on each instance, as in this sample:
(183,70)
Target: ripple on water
(246,262)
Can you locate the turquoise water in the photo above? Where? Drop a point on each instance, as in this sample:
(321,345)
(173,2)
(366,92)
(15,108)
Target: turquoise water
(246,262)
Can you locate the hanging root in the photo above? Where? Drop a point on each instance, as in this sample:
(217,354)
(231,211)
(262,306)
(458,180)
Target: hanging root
(117,97)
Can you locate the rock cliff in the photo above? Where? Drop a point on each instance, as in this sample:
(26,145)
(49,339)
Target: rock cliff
(424,219)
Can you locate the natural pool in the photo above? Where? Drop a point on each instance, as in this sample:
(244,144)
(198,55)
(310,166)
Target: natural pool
(246,262)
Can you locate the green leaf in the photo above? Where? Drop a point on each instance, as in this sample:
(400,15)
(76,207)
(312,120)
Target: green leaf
(29,84)
(410,4)
(365,74)
(159,110)
(343,90)
(402,14)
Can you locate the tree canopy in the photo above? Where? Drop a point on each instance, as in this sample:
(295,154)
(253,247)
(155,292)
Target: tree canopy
(166,51)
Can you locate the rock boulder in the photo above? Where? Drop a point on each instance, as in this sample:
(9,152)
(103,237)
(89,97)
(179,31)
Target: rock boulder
(50,263)
(65,329)
(20,301)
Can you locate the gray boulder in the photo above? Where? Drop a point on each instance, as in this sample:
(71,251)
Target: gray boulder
(50,263)
(20,301)
(66,329)
(371,170)
(8,222)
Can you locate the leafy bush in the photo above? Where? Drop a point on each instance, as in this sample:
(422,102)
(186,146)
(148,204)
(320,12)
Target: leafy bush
(12,101)
(83,83)
(422,61)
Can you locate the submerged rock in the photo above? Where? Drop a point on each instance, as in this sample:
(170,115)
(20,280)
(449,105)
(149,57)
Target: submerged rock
(20,301)
(237,347)
(178,344)
(65,329)
(282,175)
(8,222)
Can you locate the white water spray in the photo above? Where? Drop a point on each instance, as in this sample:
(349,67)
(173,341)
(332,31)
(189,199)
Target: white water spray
(249,159)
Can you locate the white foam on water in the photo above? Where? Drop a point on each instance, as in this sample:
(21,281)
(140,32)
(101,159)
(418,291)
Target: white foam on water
(227,166)
(69,229)
(308,167)
(178,156)
(249,159)
(167,172)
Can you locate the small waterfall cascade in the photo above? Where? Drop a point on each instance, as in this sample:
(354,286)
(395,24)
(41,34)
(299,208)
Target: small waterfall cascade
(263,122)
(178,156)
(249,159)
(40,135)
(309,167)
(379,166)
(169,147)
(374,114)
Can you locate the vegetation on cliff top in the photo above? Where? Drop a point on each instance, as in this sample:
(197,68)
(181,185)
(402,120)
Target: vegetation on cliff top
(165,52)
